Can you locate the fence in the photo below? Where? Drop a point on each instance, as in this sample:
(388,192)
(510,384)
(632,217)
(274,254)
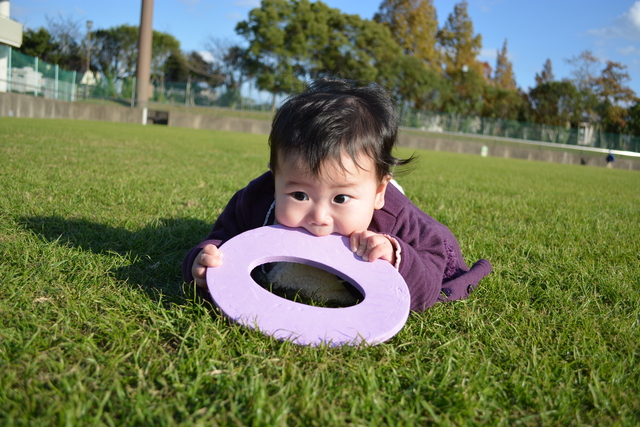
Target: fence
(177,94)
(201,95)
(586,135)
(29,75)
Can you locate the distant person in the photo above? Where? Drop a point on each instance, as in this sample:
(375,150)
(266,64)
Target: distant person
(610,159)
(331,164)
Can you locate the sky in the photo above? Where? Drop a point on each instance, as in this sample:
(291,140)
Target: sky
(535,30)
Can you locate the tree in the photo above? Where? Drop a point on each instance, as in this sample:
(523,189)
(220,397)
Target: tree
(181,67)
(70,42)
(60,43)
(584,69)
(40,44)
(275,54)
(292,41)
(614,97)
(414,26)
(501,103)
(175,68)
(162,46)
(203,71)
(556,103)
(231,63)
(412,83)
(503,77)
(460,47)
(546,75)
(115,51)
(463,92)
(465,75)
(584,72)
(357,49)
(633,120)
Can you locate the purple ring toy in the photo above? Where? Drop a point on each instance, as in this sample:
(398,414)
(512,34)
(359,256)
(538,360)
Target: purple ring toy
(381,314)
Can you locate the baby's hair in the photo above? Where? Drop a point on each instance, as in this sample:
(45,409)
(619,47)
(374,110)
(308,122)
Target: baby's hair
(335,116)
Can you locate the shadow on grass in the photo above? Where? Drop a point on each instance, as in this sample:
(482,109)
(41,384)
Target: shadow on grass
(155,252)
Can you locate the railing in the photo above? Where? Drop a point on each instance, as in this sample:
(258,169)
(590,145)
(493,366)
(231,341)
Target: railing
(33,76)
(482,127)
(29,75)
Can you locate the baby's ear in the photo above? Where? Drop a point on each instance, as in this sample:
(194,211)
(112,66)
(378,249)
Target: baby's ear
(380,192)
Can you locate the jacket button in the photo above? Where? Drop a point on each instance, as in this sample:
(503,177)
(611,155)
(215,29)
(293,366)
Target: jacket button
(470,289)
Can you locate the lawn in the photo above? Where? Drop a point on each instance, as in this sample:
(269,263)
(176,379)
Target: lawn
(97,328)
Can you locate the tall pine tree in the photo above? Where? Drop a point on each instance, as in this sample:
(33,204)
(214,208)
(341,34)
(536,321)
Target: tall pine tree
(546,76)
(503,76)
(414,26)
(460,46)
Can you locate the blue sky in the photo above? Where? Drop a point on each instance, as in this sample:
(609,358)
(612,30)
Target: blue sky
(535,30)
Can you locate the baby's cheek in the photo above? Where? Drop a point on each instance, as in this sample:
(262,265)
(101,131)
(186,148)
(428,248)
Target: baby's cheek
(285,216)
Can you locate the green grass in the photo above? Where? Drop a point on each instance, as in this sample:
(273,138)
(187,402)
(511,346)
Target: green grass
(96,330)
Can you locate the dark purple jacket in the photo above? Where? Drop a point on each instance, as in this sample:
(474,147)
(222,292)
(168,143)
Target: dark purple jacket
(431,262)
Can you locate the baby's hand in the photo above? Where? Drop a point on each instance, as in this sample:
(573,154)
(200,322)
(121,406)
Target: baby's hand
(371,246)
(209,256)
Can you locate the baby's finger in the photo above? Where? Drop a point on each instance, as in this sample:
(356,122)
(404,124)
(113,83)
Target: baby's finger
(372,247)
(211,260)
(201,283)
(381,248)
(363,242)
(354,240)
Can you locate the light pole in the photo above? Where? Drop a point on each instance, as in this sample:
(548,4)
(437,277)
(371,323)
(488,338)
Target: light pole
(89,26)
(144,57)
(86,78)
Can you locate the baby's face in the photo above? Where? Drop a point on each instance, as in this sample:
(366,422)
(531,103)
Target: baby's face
(339,201)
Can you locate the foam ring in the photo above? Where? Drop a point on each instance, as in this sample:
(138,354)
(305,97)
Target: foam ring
(382,313)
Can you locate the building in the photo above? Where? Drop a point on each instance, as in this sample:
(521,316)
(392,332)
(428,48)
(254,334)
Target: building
(10,35)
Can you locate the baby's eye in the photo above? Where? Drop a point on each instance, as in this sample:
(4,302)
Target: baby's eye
(299,195)
(341,198)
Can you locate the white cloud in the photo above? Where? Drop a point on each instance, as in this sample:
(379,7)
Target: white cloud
(207,56)
(633,16)
(247,3)
(626,26)
(627,51)
(234,16)
(487,5)
(189,2)
(489,54)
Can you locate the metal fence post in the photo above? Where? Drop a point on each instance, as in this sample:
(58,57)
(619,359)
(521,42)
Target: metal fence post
(35,77)
(133,93)
(55,84)
(73,87)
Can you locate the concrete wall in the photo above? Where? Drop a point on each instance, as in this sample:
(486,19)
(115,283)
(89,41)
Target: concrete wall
(18,105)
(208,121)
(430,142)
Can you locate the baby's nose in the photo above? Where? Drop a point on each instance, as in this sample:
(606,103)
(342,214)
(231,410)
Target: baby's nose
(318,216)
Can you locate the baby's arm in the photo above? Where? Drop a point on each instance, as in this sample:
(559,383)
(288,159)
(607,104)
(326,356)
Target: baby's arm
(246,210)
(209,256)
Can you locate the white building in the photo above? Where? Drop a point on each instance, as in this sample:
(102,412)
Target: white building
(10,35)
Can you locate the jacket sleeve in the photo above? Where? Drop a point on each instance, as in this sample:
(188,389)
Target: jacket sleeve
(246,210)
(422,262)
(431,261)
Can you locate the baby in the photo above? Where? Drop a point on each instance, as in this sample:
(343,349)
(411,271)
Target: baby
(331,168)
